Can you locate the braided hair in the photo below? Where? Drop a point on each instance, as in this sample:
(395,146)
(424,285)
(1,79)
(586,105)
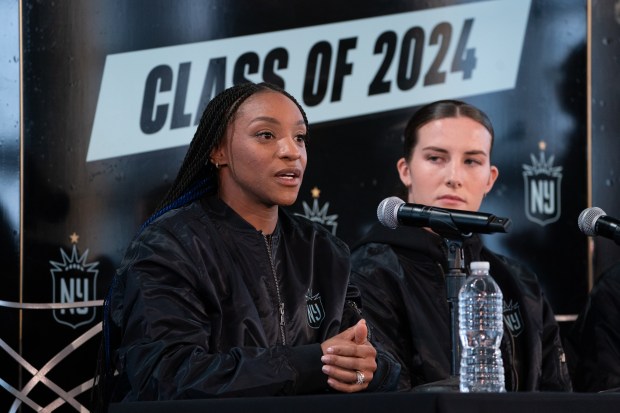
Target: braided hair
(197,176)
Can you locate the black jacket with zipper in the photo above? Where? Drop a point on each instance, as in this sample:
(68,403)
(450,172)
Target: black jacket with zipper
(401,276)
(207,306)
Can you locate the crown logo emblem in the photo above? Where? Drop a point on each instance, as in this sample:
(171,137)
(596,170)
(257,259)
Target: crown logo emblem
(542,166)
(74,280)
(542,188)
(318,213)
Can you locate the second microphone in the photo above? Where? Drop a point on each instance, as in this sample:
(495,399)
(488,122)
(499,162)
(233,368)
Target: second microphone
(393,212)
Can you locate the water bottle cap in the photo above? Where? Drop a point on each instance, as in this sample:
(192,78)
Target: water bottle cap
(479,265)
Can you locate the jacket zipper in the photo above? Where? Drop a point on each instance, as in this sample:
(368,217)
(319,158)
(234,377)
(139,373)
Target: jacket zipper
(275,279)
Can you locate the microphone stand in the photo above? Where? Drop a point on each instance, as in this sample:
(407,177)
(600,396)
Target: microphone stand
(453,227)
(454,281)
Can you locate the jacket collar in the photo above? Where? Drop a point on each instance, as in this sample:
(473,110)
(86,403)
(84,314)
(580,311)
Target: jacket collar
(420,240)
(220,212)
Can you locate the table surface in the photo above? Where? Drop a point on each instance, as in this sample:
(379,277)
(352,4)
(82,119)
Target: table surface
(531,402)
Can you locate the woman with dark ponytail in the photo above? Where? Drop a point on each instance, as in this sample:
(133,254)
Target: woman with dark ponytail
(223,293)
(402,273)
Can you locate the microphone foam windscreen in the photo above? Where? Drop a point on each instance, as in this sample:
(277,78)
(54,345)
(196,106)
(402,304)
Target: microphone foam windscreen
(587,220)
(387,211)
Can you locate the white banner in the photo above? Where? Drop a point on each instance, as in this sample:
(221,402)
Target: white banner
(152,99)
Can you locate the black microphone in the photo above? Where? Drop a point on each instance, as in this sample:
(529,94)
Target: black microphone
(593,221)
(393,212)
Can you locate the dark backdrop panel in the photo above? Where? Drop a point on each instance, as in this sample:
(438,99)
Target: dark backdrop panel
(605,122)
(85,213)
(547,105)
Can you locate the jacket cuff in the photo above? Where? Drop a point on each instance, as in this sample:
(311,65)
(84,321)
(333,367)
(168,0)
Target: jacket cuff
(387,374)
(306,361)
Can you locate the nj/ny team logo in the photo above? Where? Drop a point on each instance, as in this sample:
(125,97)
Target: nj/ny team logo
(318,213)
(316,312)
(74,280)
(542,188)
(512,318)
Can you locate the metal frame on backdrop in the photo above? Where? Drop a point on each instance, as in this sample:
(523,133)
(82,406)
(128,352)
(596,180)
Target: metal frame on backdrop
(39,375)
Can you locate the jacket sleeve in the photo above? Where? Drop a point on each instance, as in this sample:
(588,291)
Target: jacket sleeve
(167,311)
(555,375)
(384,321)
(388,368)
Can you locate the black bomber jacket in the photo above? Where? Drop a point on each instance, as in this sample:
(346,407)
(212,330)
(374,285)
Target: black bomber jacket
(401,276)
(207,306)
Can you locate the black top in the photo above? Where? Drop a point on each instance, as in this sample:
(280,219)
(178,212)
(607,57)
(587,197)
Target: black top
(198,303)
(401,274)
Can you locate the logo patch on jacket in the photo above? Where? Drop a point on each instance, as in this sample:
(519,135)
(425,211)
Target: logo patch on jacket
(315,310)
(512,318)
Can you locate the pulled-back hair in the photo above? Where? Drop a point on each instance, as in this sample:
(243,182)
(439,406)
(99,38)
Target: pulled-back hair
(442,109)
(197,176)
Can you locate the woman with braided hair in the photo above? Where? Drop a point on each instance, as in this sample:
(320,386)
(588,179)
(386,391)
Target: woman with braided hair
(223,293)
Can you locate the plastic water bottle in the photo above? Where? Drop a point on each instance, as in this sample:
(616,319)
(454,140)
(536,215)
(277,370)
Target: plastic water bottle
(480,331)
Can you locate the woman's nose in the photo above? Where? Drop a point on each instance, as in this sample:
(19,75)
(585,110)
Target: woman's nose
(454,179)
(289,148)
